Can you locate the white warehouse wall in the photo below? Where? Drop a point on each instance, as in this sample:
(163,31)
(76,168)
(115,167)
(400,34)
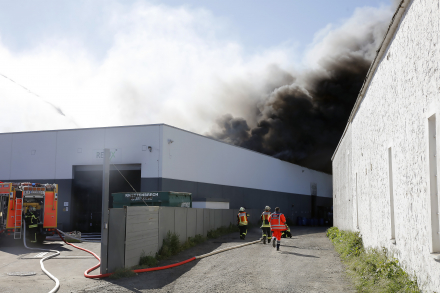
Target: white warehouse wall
(51,154)
(194,157)
(394,113)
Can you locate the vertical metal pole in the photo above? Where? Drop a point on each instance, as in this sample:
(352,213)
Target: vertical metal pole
(104,218)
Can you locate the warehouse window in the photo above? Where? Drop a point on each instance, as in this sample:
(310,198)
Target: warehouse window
(432,161)
(390,178)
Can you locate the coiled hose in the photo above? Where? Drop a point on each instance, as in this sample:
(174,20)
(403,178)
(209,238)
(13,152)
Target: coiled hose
(57,282)
(86,273)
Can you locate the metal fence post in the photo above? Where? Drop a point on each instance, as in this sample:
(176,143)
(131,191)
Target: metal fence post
(104,218)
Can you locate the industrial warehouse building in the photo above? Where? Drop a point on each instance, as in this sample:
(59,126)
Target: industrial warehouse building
(157,158)
(385,168)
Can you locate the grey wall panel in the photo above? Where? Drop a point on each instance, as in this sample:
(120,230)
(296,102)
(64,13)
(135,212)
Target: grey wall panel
(218,218)
(142,229)
(191,222)
(179,185)
(180,222)
(166,222)
(227,217)
(210,190)
(211,219)
(206,217)
(151,184)
(251,198)
(116,239)
(64,195)
(200,222)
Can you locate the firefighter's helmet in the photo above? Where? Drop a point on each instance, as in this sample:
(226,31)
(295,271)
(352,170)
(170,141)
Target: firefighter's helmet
(267,208)
(242,209)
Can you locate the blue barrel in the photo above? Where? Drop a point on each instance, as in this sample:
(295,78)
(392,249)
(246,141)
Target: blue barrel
(303,221)
(298,221)
(321,222)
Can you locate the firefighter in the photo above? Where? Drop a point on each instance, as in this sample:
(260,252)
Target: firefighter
(265,226)
(277,225)
(32,222)
(286,233)
(242,222)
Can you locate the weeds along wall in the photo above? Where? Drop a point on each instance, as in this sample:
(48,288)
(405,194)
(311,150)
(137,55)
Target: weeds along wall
(144,228)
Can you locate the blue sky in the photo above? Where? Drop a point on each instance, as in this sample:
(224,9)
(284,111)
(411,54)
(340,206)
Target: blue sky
(183,63)
(256,24)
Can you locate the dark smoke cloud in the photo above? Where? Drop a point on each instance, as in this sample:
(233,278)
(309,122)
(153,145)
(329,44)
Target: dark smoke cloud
(302,122)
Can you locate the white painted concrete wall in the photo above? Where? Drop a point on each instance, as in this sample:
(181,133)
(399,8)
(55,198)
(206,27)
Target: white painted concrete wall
(394,113)
(194,157)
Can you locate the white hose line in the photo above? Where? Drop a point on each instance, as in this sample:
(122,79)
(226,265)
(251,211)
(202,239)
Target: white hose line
(57,282)
(227,248)
(79,239)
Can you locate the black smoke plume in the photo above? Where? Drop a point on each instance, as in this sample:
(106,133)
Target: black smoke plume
(302,122)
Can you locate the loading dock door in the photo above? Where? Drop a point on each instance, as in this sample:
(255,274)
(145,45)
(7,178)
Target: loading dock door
(87,193)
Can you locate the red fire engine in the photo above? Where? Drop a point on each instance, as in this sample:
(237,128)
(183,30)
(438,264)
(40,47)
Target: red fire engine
(16,199)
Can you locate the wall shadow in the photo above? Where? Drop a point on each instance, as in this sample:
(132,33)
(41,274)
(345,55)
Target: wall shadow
(299,254)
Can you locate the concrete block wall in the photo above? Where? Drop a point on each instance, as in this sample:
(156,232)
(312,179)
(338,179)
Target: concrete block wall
(141,233)
(146,227)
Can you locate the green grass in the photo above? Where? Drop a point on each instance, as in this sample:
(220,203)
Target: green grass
(371,270)
(212,234)
(122,273)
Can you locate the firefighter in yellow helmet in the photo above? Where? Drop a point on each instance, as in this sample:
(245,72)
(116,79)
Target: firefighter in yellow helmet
(242,222)
(265,225)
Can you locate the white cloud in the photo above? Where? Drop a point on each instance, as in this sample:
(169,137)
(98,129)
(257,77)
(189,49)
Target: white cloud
(164,65)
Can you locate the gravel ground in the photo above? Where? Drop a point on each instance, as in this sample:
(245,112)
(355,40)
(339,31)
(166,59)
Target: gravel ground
(306,263)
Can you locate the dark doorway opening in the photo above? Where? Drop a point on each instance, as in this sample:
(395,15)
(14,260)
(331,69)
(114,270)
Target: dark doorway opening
(87,193)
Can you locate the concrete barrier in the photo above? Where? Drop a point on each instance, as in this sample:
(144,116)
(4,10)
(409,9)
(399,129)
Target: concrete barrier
(141,233)
(146,227)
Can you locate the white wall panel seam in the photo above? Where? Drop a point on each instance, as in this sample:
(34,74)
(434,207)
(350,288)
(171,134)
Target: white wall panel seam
(10,158)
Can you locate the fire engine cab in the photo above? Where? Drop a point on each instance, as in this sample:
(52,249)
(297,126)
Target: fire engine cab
(20,199)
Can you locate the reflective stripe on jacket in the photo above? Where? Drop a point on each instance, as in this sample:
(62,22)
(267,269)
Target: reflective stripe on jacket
(265,218)
(242,219)
(277,221)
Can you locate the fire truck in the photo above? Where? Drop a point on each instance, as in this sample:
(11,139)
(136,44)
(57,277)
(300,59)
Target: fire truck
(16,199)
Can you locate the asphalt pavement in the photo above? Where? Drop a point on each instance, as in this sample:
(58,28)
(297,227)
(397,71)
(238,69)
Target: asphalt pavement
(307,262)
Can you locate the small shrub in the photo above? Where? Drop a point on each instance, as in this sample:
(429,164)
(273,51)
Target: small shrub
(170,246)
(122,273)
(212,234)
(147,261)
(372,270)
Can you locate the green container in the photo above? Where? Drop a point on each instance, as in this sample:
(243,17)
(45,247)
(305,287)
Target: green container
(152,198)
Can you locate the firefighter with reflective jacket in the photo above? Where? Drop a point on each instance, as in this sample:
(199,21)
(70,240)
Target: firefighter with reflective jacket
(277,225)
(242,222)
(32,221)
(265,226)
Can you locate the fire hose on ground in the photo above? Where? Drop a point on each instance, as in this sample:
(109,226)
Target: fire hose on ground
(57,282)
(86,273)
